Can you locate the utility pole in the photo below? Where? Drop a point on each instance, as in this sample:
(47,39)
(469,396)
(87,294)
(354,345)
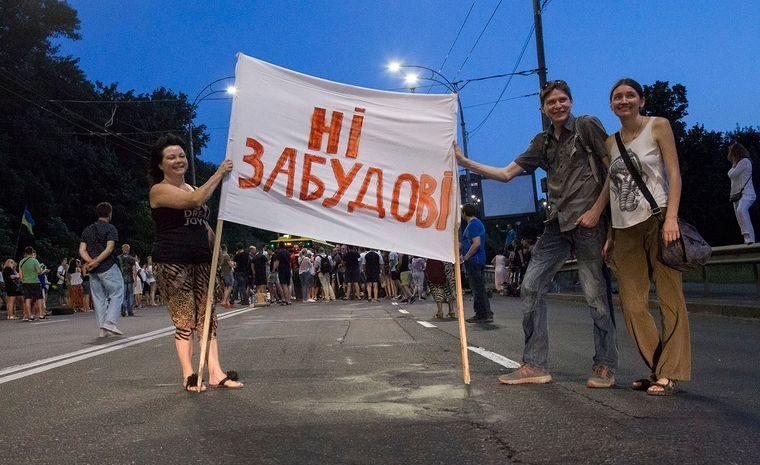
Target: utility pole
(192,153)
(539,29)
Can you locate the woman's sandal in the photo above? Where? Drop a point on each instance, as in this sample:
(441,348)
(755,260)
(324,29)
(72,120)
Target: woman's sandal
(453,316)
(662,390)
(192,382)
(438,316)
(643,383)
(231,376)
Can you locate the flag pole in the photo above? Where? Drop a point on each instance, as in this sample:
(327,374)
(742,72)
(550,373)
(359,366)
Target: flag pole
(20,226)
(210,299)
(458,281)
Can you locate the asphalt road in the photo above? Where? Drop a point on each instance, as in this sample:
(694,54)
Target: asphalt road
(361,383)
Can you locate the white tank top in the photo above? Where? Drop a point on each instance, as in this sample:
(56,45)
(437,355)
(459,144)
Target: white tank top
(628,204)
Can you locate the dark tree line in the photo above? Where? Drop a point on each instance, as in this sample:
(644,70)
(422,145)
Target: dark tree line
(67,143)
(704,167)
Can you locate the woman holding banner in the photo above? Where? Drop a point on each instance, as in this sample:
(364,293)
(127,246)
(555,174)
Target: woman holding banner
(182,255)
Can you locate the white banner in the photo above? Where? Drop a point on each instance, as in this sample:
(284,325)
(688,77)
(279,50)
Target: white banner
(341,163)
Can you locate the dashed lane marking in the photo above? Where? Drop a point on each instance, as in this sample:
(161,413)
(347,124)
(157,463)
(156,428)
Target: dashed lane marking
(426,324)
(494,357)
(401,310)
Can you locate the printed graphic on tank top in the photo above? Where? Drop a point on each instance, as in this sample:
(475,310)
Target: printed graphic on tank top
(628,204)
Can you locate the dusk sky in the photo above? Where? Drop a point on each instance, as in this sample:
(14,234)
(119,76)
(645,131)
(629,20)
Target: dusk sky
(709,46)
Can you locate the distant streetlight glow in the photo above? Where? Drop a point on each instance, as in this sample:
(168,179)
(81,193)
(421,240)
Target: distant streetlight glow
(231,90)
(411,79)
(394,66)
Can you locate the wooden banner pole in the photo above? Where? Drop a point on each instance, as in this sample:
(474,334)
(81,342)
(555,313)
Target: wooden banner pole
(458,280)
(210,299)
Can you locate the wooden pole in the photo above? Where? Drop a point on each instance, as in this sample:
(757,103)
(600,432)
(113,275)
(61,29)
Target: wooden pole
(210,299)
(458,280)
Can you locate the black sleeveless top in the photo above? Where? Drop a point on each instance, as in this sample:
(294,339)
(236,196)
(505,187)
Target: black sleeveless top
(181,235)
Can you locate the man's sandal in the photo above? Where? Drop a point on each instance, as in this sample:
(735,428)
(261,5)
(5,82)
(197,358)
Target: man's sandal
(191,383)
(231,376)
(662,390)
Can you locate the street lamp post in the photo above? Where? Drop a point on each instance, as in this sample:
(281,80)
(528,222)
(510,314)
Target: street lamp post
(196,101)
(411,79)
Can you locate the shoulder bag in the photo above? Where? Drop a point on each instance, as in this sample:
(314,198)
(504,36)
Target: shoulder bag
(688,251)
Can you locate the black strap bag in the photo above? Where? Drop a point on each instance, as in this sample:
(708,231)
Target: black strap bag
(738,196)
(688,251)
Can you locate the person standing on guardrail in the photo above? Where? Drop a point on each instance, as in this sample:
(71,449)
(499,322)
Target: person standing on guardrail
(742,190)
(572,153)
(637,237)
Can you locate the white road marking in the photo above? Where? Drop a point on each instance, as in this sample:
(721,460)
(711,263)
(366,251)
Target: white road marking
(39,366)
(426,324)
(494,357)
(401,310)
(394,303)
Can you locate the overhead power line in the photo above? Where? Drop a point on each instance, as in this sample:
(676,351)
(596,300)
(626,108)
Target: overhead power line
(467,16)
(21,83)
(506,85)
(493,13)
(57,115)
(495,102)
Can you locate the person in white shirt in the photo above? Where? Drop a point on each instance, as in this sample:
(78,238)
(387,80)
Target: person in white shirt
(742,190)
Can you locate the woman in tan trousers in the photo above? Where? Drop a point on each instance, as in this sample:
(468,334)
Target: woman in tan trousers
(634,241)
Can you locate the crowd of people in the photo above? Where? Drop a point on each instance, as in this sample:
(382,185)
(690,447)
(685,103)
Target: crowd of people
(283,275)
(68,286)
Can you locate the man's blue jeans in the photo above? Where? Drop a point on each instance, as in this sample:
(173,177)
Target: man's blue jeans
(129,298)
(480,302)
(107,290)
(550,253)
(240,290)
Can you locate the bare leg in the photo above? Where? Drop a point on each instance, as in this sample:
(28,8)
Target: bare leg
(11,305)
(227,292)
(215,372)
(153,294)
(183,341)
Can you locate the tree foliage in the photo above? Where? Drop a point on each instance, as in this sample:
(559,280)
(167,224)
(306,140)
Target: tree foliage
(67,144)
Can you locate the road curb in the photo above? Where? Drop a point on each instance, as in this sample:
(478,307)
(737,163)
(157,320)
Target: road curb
(726,307)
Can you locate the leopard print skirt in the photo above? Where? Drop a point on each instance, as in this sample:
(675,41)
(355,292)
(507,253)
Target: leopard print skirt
(183,288)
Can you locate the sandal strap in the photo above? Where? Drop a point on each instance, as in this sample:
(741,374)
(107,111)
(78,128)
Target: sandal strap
(191,380)
(231,376)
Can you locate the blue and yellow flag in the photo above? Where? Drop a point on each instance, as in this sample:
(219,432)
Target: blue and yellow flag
(27,221)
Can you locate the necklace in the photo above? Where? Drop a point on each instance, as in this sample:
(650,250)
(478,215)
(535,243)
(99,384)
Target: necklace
(638,130)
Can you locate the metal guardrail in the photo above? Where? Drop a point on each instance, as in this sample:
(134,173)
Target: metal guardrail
(723,255)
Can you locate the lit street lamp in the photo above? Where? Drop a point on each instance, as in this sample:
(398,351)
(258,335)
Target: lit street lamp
(411,79)
(230,90)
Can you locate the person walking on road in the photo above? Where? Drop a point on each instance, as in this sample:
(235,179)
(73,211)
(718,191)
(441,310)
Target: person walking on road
(13,287)
(182,254)
(106,283)
(474,259)
(634,241)
(742,190)
(127,264)
(30,271)
(572,153)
